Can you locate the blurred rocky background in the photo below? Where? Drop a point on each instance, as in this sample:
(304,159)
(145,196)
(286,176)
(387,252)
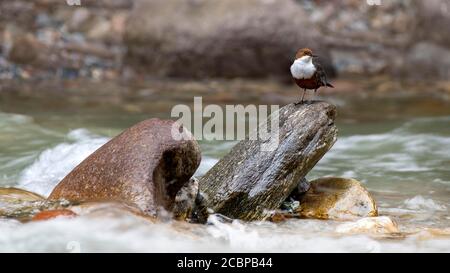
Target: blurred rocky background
(103,40)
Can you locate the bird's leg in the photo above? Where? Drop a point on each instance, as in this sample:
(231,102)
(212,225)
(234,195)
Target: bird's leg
(301,101)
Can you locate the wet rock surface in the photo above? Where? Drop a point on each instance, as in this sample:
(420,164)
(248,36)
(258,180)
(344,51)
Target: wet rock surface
(371,225)
(249,182)
(190,204)
(23,205)
(336,198)
(15,195)
(52,214)
(143,166)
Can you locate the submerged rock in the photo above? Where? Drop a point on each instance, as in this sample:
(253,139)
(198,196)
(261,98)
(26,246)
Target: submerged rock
(51,214)
(337,198)
(249,182)
(109,210)
(373,225)
(144,166)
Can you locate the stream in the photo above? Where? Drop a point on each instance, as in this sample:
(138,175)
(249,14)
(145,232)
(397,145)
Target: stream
(399,147)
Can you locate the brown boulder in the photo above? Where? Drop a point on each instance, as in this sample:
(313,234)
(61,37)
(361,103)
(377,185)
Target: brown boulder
(144,166)
(337,198)
(24,49)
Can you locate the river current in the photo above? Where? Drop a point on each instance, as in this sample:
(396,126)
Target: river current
(403,159)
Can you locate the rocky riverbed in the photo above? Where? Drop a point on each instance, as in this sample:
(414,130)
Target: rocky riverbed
(124,39)
(397,157)
(144,167)
(348,208)
(72,79)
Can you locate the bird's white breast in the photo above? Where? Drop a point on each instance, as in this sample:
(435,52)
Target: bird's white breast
(303,68)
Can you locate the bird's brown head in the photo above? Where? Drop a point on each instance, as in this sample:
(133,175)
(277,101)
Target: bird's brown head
(304,52)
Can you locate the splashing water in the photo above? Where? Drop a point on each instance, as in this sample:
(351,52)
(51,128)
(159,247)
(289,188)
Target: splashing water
(406,168)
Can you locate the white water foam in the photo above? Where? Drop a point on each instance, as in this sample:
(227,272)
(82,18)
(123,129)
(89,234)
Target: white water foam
(128,233)
(420,203)
(55,163)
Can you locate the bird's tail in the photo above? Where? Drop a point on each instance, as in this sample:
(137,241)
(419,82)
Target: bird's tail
(329,85)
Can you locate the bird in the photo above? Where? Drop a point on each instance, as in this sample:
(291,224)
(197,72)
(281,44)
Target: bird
(307,72)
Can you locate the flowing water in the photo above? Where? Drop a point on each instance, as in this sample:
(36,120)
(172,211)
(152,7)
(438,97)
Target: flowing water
(398,147)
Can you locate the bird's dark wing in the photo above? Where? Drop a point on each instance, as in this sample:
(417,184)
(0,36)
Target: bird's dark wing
(321,76)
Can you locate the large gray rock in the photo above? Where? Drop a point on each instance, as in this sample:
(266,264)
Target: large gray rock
(427,60)
(248,183)
(433,19)
(221,38)
(144,166)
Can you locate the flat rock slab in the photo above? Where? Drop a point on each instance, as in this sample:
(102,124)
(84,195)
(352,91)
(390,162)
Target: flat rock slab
(337,198)
(15,195)
(144,166)
(22,205)
(250,182)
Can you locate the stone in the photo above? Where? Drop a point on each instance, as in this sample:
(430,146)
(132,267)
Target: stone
(189,204)
(108,210)
(433,20)
(427,60)
(250,182)
(78,19)
(22,205)
(372,225)
(15,195)
(52,214)
(302,187)
(337,198)
(221,38)
(100,30)
(24,50)
(144,166)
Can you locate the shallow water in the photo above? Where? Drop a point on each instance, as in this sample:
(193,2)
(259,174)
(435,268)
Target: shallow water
(398,147)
